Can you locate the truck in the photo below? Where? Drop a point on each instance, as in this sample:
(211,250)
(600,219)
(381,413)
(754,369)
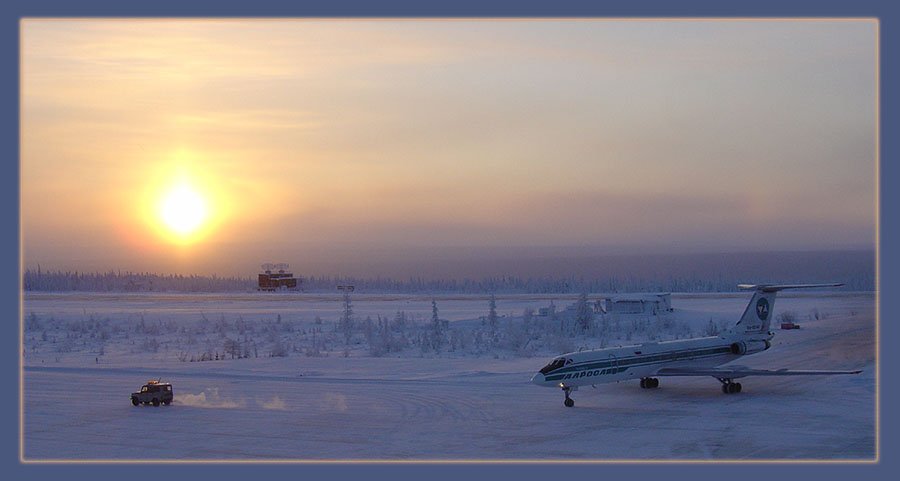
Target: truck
(154,392)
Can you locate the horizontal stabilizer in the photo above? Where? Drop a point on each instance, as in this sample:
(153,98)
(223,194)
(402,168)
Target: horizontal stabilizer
(737,372)
(781,287)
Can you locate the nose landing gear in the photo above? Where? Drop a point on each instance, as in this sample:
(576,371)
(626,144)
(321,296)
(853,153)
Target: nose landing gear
(569,402)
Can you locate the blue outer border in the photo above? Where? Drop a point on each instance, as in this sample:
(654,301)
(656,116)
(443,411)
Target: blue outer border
(9,238)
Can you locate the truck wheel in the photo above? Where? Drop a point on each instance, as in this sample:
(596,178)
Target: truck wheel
(155,402)
(134,401)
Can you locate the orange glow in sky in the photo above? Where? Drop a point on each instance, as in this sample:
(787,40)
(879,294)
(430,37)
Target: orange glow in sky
(235,142)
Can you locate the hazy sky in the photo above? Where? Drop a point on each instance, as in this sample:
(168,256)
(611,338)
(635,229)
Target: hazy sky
(325,142)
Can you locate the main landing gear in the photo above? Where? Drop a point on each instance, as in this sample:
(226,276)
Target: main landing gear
(730,387)
(649,382)
(569,402)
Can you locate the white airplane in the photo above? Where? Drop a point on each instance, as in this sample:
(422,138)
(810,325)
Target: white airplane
(688,357)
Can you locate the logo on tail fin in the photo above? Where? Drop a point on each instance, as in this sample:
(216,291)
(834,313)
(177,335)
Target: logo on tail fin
(762,308)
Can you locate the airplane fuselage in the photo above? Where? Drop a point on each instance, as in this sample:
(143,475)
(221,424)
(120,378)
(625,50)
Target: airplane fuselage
(624,363)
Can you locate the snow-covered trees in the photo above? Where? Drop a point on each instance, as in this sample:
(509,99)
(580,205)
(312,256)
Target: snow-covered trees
(858,276)
(435,320)
(414,330)
(693,273)
(492,313)
(231,347)
(437,330)
(117,281)
(390,336)
(278,349)
(584,313)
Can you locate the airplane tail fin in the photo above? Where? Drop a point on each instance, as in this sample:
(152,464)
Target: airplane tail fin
(758,315)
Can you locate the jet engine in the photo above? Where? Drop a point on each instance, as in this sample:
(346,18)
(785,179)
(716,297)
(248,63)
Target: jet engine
(749,347)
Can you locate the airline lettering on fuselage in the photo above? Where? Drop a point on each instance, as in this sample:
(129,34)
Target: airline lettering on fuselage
(595,372)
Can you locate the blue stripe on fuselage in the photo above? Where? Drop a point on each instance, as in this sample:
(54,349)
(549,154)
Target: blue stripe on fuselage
(600,368)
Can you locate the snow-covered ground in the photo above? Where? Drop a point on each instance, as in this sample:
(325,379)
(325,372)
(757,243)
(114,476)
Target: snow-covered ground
(85,353)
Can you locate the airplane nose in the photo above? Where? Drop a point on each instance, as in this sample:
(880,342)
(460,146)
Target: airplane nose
(538,378)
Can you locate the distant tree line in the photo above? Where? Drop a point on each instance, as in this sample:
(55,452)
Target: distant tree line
(117,281)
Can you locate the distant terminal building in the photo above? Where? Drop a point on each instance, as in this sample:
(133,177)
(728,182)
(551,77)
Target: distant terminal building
(570,310)
(616,304)
(275,277)
(647,304)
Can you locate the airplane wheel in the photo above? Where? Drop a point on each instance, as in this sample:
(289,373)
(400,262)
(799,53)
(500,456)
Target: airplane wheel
(737,387)
(654,382)
(569,402)
(643,383)
(725,388)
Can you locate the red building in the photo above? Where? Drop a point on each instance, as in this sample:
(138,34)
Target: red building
(275,277)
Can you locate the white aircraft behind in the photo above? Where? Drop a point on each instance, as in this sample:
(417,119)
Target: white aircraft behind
(688,357)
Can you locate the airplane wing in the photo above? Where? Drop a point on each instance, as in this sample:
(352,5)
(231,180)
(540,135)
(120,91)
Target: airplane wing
(781,287)
(740,371)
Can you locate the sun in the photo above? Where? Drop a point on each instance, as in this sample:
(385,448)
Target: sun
(183,201)
(183,210)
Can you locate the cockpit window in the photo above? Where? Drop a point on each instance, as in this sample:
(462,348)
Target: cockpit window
(554,365)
